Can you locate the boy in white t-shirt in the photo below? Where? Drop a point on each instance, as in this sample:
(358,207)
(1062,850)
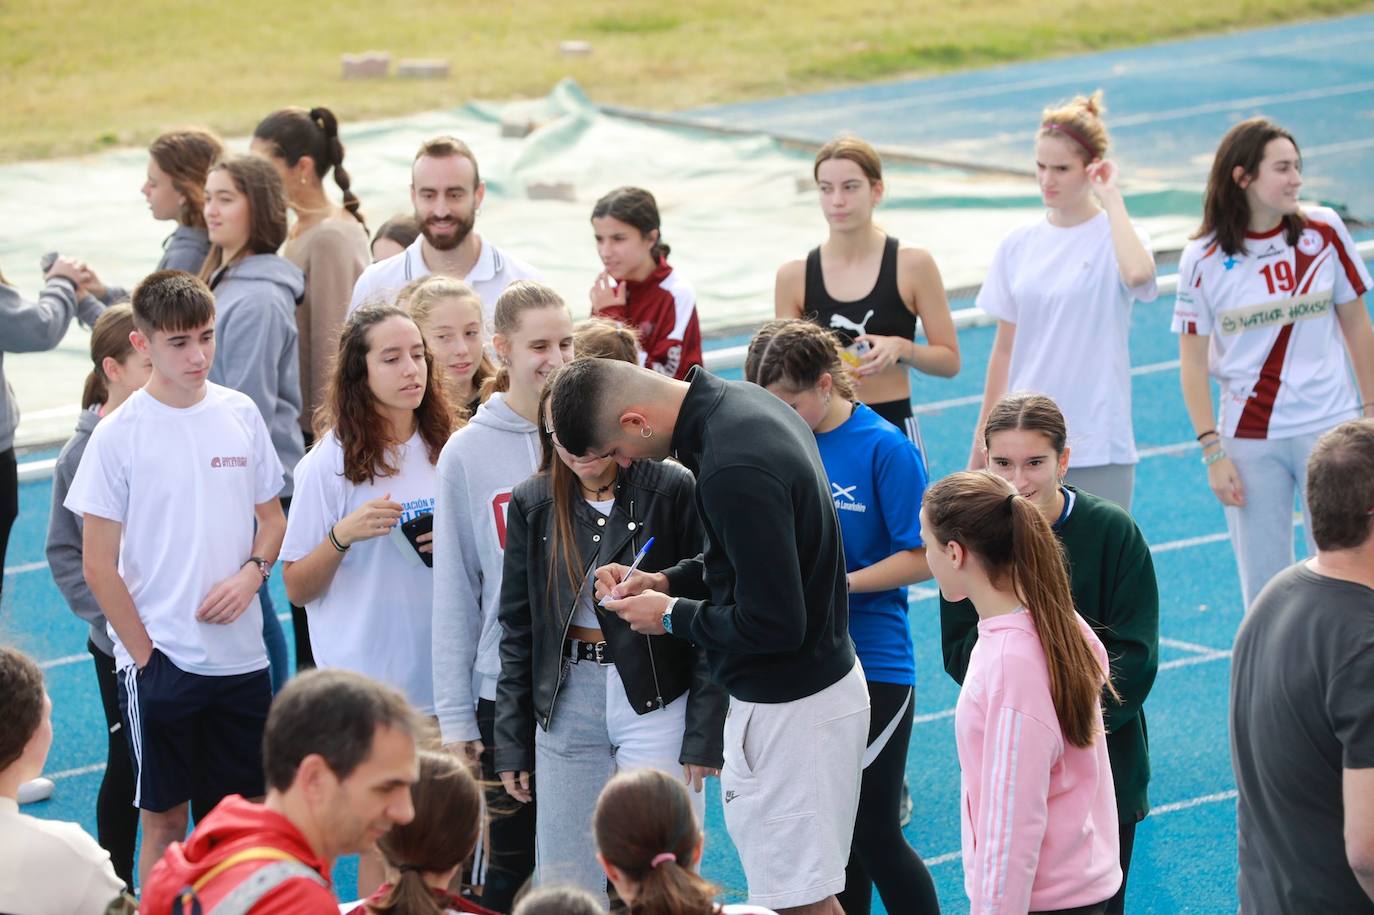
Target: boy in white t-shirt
(171,487)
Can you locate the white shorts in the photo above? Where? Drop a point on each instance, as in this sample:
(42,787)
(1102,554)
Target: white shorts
(790,788)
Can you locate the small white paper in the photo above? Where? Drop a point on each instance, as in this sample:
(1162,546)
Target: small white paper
(398,540)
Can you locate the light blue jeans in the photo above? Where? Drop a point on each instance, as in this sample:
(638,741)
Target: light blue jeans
(593,735)
(1273,472)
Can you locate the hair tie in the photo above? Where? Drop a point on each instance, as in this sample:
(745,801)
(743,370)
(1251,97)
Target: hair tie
(661,857)
(410,869)
(1072,134)
(1011,503)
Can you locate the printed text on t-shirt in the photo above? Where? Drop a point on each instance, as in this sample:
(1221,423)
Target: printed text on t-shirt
(1272,314)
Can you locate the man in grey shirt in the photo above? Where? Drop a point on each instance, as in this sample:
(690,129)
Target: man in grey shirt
(1302,703)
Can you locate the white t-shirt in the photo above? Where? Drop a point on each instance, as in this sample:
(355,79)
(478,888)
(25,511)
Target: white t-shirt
(1276,345)
(489,277)
(183,483)
(377,614)
(49,867)
(584,614)
(1062,289)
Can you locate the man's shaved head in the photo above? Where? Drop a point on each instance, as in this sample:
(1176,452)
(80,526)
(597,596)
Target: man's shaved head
(588,398)
(592,394)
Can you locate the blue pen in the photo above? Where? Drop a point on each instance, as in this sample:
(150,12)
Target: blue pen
(634,566)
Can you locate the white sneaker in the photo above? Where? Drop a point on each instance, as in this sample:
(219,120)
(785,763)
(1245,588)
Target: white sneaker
(34,790)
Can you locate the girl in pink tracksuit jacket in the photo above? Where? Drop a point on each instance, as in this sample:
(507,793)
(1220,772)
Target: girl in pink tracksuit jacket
(1038,812)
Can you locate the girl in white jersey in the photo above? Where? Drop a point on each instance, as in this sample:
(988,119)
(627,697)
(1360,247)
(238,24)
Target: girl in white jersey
(1061,290)
(1270,301)
(478,469)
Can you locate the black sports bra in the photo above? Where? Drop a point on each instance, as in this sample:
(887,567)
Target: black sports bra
(882,312)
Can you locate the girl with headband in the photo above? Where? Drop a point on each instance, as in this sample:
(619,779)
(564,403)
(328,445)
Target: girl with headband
(1061,290)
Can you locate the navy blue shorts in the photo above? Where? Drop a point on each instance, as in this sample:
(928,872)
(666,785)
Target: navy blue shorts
(193,736)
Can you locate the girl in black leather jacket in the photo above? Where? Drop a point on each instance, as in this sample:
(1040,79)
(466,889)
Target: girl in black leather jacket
(604,698)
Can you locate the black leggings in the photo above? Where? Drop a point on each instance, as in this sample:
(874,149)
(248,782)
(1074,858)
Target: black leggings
(1126,834)
(510,825)
(116,817)
(880,854)
(9,500)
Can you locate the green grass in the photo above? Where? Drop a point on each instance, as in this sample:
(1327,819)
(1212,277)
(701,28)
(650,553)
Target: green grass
(78,75)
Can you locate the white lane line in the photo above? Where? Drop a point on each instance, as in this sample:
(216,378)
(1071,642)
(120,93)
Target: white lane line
(26,567)
(74,773)
(1196,802)
(1187,542)
(1191,660)
(1193,647)
(1153,118)
(935,406)
(933,716)
(1176,806)
(64,661)
(1135,68)
(1167,450)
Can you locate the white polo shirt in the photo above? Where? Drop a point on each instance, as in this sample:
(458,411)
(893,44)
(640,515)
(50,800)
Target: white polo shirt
(489,277)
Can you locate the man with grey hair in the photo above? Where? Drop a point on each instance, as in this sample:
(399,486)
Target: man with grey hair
(1302,703)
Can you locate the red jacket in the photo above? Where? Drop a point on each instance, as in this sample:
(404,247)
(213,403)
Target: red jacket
(662,308)
(234,826)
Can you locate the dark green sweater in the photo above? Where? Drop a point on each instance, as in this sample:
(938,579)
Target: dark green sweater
(1112,578)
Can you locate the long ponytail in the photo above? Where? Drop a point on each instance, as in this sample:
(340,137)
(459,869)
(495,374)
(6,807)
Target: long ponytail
(445,830)
(295,132)
(645,826)
(109,339)
(1015,544)
(330,126)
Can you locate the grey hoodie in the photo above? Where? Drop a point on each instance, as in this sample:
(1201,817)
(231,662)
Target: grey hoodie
(185,249)
(478,468)
(64,535)
(256,350)
(27,327)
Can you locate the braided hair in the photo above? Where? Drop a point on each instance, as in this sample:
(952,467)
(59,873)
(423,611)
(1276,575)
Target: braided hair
(296,132)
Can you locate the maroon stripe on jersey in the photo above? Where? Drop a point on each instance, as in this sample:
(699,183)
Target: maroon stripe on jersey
(1190,327)
(1333,239)
(1351,272)
(1254,419)
(1306,286)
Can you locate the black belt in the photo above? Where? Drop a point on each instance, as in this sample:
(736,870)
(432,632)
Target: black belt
(587,651)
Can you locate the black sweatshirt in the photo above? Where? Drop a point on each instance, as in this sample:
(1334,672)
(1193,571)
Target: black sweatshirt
(767,598)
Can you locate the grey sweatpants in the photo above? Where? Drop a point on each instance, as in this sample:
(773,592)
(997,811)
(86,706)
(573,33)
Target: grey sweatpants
(594,735)
(1273,471)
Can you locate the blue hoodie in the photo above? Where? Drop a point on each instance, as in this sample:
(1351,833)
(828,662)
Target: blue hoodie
(257,350)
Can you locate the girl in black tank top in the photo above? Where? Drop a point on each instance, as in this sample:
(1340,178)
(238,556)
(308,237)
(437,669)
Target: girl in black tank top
(880,313)
(848,176)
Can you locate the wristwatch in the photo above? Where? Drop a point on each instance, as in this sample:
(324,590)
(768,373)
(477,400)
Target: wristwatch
(668,616)
(264,567)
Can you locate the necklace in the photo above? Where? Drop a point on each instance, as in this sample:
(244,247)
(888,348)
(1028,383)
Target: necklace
(596,492)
